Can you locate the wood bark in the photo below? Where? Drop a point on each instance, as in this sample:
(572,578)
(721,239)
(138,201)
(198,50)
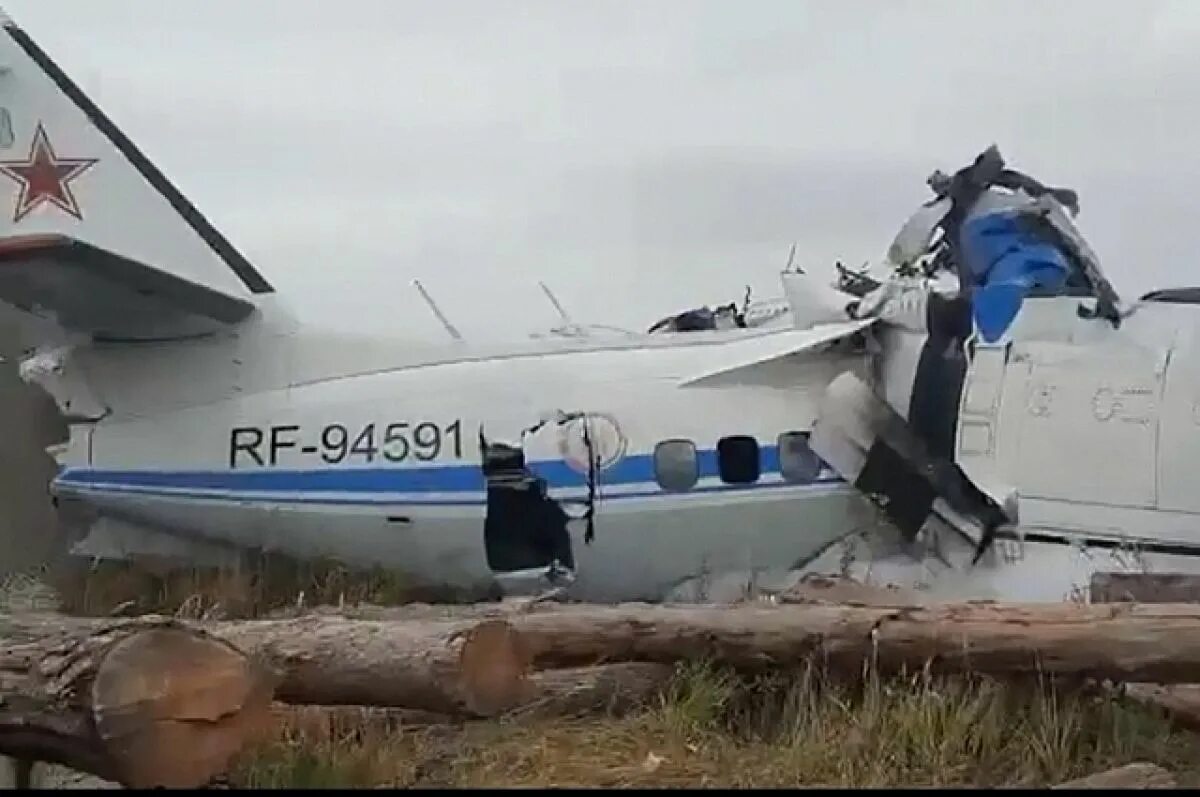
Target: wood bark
(1130,776)
(469,668)
(1180,702)
(613,688)
(481,667)
(144,703)
(1123,642)
(472,668)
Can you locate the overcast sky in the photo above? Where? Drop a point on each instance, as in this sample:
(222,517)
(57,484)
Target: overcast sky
(641,156)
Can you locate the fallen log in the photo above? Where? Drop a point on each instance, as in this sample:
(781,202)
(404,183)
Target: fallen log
(1124,642)
(613,688)
(469,668)
(1180,702)
(362,661)
(481,667)
(144,704)
(461,668)
(1131,776)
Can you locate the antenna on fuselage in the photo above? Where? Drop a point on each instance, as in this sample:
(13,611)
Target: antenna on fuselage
(557,304)
(791,262)
(433,306)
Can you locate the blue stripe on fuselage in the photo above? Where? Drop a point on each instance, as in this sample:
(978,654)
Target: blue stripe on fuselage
(632,469)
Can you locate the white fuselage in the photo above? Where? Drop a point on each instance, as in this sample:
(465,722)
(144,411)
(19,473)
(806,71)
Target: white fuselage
(369,452)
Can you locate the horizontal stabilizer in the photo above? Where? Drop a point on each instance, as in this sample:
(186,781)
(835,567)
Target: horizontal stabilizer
(89,290)
(738,356)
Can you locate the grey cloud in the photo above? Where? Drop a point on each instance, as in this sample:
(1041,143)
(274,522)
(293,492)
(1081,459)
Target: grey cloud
(638,156)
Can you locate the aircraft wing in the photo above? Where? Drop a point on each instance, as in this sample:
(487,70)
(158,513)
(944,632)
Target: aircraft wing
(741,355)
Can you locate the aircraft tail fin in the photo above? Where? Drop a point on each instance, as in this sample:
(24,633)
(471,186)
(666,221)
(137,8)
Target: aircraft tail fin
(92,235)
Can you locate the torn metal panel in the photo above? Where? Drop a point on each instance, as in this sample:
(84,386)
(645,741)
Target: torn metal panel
(937,383)
(525,528)
(873,448)
(1006,237)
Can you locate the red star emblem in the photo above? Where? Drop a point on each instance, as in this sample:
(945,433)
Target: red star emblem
(45,177)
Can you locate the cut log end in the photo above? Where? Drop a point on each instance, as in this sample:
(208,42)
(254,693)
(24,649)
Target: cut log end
(173,706)
(147,704)
(494,664)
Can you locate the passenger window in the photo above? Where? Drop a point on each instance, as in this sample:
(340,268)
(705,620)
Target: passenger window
(797,462)
(675,465)
(737,460)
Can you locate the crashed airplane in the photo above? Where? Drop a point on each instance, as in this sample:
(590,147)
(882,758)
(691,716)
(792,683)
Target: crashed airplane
(984,418)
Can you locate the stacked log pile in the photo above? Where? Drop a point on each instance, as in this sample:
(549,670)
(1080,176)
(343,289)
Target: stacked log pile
(153,701)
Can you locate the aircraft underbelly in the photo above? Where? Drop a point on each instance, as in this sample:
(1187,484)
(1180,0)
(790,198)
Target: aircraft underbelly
(643,548)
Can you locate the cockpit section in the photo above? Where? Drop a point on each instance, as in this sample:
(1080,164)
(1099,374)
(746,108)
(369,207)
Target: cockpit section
(990,243)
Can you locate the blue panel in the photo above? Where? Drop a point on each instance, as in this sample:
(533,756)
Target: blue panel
(1008,263)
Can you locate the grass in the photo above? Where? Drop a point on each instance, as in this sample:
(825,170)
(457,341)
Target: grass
(713,729)
(262,585)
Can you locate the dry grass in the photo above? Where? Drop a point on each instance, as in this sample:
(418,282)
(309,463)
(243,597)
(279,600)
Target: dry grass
(263,584)
(713,729)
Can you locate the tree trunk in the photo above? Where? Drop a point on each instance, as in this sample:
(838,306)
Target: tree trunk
(481,667)
(465,668)
(1125,642)
(143,703)
(614,688)
(1180,702)
(472,668)
(1130,776)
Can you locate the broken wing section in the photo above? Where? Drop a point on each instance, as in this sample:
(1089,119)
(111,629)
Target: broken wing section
(735,358)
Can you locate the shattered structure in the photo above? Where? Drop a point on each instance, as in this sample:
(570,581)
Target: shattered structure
(1024,407)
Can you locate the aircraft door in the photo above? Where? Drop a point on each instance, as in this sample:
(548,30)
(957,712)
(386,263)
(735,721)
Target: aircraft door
(1088,421)
(978,434)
